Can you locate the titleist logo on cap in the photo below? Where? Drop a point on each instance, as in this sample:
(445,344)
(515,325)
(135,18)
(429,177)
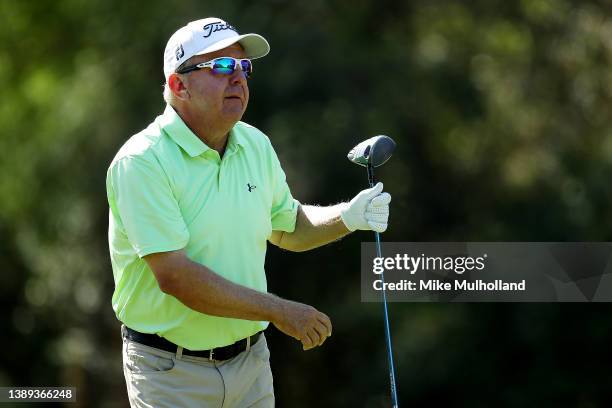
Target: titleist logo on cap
(217,26)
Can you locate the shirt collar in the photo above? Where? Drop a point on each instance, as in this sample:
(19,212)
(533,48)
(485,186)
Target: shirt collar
(171,123)
(236,139)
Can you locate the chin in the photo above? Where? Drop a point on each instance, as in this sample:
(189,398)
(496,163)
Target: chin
(234,114)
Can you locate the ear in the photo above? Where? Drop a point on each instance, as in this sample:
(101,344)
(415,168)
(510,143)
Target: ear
(177,86)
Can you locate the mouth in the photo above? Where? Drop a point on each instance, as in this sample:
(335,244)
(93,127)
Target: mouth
(234,97)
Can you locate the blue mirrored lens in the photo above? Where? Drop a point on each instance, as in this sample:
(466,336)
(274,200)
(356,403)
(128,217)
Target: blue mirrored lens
(247,67)
(223,66)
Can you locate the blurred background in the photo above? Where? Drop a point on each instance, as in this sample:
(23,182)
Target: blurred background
(501,112)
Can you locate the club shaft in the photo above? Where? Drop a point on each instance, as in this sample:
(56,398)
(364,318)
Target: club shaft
(385,308)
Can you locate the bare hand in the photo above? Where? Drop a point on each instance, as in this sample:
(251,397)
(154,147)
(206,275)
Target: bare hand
(304,323)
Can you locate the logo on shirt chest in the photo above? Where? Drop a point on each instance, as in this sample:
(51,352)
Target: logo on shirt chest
(251,187)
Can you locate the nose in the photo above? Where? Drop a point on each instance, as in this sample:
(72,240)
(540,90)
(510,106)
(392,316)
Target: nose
(238,77)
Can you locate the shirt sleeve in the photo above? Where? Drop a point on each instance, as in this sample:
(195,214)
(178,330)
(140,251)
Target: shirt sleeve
(142,201)
(284,206)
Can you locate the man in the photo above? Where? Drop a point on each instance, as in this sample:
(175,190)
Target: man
(193,199)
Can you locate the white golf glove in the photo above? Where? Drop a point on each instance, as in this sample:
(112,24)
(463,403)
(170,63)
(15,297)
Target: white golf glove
(368,210)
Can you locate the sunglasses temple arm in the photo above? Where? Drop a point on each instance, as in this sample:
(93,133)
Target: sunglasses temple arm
(187,70)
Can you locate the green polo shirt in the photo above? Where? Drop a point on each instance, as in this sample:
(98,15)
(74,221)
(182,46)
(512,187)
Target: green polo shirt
(167,190)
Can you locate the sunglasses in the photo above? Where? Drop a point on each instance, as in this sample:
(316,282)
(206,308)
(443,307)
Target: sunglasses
(222,65)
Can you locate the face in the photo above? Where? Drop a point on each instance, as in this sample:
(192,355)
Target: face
(216,97)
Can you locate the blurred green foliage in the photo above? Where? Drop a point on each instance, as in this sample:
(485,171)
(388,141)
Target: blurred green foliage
(501,114)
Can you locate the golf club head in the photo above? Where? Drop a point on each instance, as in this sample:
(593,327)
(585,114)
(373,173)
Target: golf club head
(375,151)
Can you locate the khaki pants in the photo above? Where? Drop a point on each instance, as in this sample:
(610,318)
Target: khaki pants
(157,378)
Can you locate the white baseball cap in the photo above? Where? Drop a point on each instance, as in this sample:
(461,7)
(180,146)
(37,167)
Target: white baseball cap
(208,35)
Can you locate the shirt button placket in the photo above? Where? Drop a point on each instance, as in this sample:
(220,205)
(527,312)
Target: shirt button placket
(219,180)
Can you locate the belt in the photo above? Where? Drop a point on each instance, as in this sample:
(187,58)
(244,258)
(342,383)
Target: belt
(219,353)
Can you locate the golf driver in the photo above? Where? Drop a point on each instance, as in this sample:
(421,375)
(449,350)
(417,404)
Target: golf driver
(372,153)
